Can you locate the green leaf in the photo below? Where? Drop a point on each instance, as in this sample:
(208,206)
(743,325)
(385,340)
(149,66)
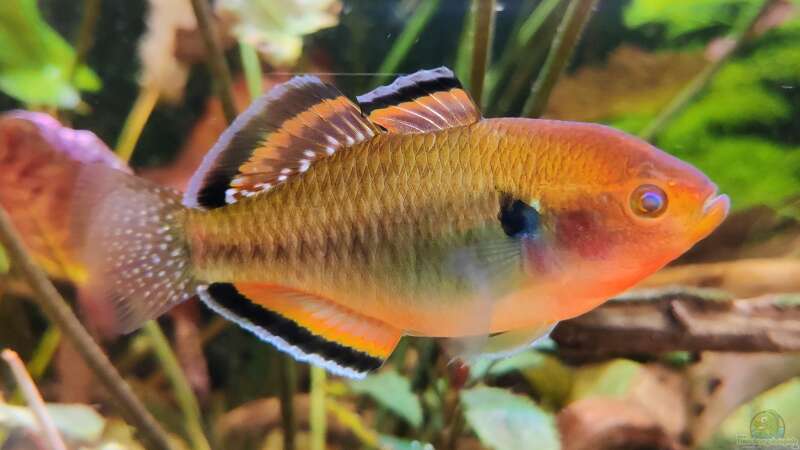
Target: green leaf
(4,264)
(393,392)
(35,62)
(276,29)
(394,443)
(682,17)
(611,379)
(505,421)
(77,422)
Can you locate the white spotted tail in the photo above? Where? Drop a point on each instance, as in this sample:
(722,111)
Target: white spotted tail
(130,235)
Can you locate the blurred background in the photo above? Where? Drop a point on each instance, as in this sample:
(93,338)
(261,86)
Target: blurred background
(701,355)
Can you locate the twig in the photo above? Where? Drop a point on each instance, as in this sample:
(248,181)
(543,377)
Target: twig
(34,399)
(566,38)
(134,123)
(485,11)
(183,393)
(91,12)
(741,278)
(406,40)
(288,378)
(60,313)
(42,356)
(318,419)
(216,58)
(522,41)
(701,81)
(690,321)
(252,69)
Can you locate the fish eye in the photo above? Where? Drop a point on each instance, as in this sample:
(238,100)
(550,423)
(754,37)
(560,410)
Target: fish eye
(648,201)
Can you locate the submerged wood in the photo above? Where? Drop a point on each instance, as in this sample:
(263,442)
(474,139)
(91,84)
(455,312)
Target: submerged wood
(682,321)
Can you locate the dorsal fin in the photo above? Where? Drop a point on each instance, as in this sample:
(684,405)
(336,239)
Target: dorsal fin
(279,135)
(424,101)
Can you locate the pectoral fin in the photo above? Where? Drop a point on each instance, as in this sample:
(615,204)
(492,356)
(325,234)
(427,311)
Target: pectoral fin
(310,328)
(498,345)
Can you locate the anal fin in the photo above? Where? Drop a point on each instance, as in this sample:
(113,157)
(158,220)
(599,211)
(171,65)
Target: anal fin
(310,328)
(498,345)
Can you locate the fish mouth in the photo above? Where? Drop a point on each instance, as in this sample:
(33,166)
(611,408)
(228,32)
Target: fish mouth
(715,210)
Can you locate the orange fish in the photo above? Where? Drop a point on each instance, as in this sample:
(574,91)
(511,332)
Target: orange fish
(331,228)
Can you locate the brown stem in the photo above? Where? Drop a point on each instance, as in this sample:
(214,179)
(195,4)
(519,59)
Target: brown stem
(288,377)
(485,11)
(567,36)
(58,311)
(216,58)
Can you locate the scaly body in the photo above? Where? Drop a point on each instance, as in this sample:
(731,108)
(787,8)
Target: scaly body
(331,229)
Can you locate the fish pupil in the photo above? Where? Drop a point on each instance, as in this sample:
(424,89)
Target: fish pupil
(517,218)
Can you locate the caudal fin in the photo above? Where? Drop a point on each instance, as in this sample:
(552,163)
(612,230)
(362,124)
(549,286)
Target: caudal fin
(130,236)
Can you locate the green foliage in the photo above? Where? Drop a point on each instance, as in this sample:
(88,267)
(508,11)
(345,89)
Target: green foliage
(505,421)
(35,62)
(393,443)
(4,264)
(611,379)
(739,130)
(683,17)
(781,399)
(393,392)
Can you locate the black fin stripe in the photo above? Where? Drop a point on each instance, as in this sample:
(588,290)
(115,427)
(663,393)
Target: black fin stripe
(251,128)
(408,88)
(229,298)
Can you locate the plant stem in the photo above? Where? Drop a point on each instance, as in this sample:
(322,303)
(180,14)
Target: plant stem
(216,58)
(41,357)
(317,414)
(183,392)
(485,12)
(60,313)
(406,40)
(701,81)
(463,63)
(91,12)
(521,42)
(288,379)
(134,123)
(34,398)
(252,69)
(566,38)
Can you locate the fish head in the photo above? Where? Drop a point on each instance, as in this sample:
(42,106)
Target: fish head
(615,208)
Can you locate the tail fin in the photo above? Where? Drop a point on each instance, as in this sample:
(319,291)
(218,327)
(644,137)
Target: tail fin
(129,233)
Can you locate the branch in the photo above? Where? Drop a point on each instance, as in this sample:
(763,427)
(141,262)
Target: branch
(216,58)
(743,278)
(682,321)
(57,310)
(567,36)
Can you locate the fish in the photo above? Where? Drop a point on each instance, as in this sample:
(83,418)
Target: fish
(331,228)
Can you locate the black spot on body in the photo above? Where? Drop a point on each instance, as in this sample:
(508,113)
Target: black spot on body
(517,218)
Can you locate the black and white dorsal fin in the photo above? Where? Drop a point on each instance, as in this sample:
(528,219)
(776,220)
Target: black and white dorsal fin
(428,100)
(280,135)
